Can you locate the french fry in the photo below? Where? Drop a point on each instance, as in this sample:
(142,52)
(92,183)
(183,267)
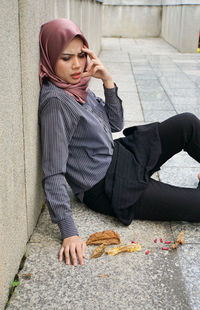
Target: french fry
(98,251)
(123,248)
(179,240)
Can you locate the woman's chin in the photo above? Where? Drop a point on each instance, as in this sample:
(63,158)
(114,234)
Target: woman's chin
(74,81)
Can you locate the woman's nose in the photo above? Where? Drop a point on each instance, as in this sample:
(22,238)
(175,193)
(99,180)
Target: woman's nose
(76,62)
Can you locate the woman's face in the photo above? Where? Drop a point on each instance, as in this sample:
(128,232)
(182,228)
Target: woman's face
(71,63)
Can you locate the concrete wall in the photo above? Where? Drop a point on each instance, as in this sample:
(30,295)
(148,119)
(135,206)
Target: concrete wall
(133,21)
(181,26)
(21,195)
(177,21)
(13,209)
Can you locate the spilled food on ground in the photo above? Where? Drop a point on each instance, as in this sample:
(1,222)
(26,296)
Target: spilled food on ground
(110,237)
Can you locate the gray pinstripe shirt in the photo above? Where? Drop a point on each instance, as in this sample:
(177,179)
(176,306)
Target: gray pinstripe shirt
(77,146)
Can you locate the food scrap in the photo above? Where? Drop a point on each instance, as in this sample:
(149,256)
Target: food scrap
(179,240)
(123,248)
(98,251)
(105,237)
(103,275)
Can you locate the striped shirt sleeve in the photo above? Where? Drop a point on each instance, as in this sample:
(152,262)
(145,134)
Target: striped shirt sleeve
(114,109)
(57,129)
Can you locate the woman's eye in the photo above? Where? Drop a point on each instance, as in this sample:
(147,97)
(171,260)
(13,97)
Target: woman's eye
(82,55)
(66,58)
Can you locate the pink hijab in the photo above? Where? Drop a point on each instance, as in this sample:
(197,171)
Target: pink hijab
(54,37)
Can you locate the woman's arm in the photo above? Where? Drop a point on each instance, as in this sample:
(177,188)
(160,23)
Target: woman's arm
(55,138)
(113,104)
(114,109)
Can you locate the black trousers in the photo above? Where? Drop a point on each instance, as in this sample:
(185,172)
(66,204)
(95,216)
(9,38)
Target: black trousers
(161,201)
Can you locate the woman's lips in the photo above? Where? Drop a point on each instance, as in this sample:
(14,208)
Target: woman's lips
(76,75)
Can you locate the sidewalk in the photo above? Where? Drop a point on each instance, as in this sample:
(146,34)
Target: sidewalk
(155,82)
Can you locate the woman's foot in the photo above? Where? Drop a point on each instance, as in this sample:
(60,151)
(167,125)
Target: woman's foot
(198,176)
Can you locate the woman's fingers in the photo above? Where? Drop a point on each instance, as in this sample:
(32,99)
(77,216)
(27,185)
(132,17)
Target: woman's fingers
(92,69)
(61,254)
(67,257)
(93,63)
(90,53)
(79,254)
(84,74)
(73,255)
(83,245)
(97,68)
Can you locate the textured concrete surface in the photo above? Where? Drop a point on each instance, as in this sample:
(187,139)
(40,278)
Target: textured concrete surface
(13,226)
(179,17)
(161,279)
(131,20)
(21,195)
(154,18)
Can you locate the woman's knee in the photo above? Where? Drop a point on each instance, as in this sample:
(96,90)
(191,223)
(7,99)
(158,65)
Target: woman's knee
(189,117)
(187,121)
(178,124)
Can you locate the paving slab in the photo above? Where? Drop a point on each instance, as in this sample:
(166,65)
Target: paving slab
(139,60)
(122,68)
(110,44)
(114,56)
(145,85)
(158,115)
(186,177)
(181,160)
(142,69)
(153,95)
(180,100)
(127,85)
(146,75)
(190,265)
(188,108)
(189,93)
(153,105)
(132,108)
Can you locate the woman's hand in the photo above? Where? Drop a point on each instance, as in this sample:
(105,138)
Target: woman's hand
(96,69)
(75,247)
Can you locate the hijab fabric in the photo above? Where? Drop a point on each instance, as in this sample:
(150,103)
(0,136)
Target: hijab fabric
(54,37)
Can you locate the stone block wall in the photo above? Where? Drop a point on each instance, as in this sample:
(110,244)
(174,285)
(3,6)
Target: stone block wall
(132,18)
(21,195)
(181,24)
(177,21)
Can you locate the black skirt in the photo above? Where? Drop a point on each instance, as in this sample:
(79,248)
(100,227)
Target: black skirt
(134,158)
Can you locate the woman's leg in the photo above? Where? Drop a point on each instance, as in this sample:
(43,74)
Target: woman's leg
(162,201)
(177,133)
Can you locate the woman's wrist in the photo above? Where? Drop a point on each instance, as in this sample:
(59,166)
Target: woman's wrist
(108,83)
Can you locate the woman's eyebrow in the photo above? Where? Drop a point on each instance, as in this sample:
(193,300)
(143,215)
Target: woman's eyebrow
(69,54)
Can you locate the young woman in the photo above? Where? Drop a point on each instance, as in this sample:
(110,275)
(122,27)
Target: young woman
(111,177)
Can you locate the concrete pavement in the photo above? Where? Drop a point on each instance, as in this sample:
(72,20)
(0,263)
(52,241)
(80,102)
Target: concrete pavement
(155,81)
